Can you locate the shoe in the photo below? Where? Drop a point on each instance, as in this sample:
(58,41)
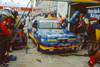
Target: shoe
(6,61)
(83,47)
(10,51)
(14,49)
(4,64)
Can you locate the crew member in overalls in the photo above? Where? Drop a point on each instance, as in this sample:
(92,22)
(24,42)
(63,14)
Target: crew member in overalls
(84,25)
(4,33)
(13,24)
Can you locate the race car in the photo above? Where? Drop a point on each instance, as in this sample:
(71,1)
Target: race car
(49,36)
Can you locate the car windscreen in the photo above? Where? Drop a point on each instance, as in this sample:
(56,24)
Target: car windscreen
(49,25)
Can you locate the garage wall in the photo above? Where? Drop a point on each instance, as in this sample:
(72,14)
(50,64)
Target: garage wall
(81,7)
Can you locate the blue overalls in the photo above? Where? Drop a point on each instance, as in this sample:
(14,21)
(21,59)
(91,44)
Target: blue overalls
(83,30)
(98,32)
(74,20)
(3,45)
(75,24)
(65,23)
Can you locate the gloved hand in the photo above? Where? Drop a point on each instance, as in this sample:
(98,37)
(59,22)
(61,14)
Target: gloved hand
(97,42)
(87,30)
(91,62)
(77,27)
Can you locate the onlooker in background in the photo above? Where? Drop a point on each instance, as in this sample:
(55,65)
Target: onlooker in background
(60,19)
(49,16)
(53,16)
(65,22)
(67,17)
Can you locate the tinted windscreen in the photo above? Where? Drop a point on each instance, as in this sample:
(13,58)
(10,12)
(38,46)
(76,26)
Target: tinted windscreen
(49,25)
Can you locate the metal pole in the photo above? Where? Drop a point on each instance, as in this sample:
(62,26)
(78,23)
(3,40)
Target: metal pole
(69,12)
(32,5)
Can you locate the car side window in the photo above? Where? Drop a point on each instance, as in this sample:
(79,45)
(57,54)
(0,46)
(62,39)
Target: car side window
(35,24)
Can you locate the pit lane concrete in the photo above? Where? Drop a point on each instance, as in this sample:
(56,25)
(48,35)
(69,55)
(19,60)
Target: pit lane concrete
(33,58)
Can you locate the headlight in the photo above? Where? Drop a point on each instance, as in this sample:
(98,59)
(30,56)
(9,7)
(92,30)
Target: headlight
(42,40)
(51,39)
(71,38)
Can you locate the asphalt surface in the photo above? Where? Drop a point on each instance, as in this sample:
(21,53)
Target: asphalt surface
(30,57)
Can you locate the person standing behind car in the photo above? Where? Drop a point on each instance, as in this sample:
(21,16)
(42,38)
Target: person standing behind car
(4,33)
(60,19)
(64,22)
(53,16)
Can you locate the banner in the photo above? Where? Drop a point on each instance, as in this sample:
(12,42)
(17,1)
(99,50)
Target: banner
(91,1)
(93,13)
(13,8)
(62,9)
(94,1)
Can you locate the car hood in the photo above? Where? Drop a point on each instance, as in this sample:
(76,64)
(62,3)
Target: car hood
(56,32)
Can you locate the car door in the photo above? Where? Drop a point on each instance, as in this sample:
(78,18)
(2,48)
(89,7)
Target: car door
(35,26)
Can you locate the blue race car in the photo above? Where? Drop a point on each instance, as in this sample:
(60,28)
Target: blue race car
(51,37)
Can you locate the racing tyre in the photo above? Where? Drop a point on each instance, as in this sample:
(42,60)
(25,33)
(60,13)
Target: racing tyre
(91,50)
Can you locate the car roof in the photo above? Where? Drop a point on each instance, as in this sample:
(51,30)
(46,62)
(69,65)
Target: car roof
(47,20)
(44,19)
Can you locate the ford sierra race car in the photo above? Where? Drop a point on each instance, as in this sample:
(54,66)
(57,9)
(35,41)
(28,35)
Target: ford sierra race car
(49,36)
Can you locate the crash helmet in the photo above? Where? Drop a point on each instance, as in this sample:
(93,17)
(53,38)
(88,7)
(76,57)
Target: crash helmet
(7,12)
(15,12)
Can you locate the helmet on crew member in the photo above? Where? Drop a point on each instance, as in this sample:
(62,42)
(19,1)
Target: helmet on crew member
(15,13)
(7,12)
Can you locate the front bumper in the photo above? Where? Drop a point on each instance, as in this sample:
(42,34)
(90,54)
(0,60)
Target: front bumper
(59,48)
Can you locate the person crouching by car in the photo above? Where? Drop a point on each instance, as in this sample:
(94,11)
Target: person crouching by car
(98,31)
(94,59)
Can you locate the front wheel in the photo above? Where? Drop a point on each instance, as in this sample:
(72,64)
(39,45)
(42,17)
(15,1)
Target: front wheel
(38,47)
